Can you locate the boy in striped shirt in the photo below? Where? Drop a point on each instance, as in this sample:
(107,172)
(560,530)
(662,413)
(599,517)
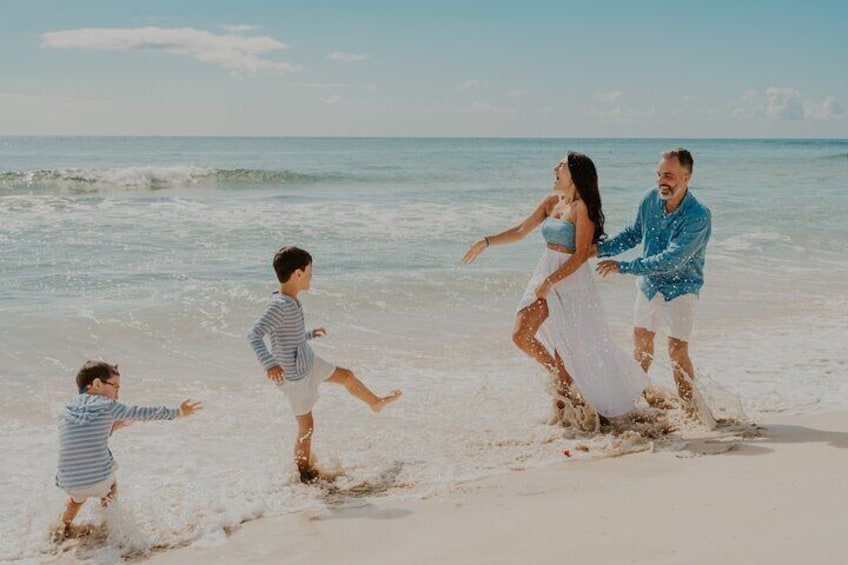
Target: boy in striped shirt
(86,466)
(291,363)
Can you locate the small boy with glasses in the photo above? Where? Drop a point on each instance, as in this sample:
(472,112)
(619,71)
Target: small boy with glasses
(86,466)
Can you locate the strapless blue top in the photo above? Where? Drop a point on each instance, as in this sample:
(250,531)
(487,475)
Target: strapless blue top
(558,232)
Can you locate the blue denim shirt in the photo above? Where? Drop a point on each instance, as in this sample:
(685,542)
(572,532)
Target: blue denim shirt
(675,245)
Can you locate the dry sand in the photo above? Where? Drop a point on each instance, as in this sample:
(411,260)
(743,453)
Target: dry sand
(769,495)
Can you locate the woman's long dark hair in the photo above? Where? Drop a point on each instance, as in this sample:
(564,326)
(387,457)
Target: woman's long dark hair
(585,178)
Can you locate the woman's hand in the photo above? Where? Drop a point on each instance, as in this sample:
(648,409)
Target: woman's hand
(543,289)
(475,250)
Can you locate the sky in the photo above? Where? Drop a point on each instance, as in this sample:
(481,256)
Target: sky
(527,68)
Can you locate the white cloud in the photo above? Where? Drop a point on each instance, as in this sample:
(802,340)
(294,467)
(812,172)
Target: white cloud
(619,114)
(321,85)
(346,57)
(234,52)
(239,27)
(334,99)
(828,109)
(785,103)
(482,107)
(610,96)
(516,93)
(472,84)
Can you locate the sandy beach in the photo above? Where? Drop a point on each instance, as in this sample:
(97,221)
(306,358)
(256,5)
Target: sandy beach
(772,493)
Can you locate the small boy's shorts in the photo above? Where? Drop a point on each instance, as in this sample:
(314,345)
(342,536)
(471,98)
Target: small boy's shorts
(98,490)
(303,394)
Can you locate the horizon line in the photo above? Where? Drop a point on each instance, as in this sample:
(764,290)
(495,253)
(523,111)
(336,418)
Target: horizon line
(433,137)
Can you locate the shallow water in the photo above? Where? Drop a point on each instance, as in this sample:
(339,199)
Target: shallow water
(155,254)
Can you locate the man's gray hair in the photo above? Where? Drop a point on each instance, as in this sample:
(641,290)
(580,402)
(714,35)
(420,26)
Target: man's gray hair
(682,155)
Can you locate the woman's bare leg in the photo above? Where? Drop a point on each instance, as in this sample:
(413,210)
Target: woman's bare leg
(527,323)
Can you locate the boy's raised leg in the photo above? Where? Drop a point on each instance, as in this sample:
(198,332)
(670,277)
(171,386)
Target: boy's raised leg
(355,387)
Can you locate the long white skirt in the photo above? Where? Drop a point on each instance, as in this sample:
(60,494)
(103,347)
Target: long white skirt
(576,328)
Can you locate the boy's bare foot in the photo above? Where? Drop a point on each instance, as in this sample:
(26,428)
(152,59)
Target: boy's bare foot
(386,400)
(60,532)
(309,476)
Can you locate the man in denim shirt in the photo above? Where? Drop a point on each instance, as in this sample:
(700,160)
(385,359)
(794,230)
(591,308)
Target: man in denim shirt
(674,228)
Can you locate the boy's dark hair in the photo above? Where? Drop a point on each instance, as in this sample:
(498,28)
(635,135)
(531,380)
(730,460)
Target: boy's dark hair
(289,259)
(95,370)
(682,155)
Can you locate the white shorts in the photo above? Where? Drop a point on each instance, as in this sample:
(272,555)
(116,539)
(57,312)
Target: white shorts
(97,490)
(677,313)
(303,394)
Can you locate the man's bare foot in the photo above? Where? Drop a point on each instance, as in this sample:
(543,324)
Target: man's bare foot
(386,400)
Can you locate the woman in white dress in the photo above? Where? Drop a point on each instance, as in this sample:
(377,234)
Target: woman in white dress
(560,321)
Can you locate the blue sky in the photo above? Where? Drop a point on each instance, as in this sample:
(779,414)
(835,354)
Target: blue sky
(434,68)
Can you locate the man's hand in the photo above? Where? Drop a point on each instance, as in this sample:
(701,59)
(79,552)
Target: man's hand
(606,267)
(276,374)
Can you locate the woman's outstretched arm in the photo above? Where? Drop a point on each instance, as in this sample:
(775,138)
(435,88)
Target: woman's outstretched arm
(515,233)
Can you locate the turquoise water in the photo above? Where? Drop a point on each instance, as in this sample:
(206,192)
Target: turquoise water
(155,253)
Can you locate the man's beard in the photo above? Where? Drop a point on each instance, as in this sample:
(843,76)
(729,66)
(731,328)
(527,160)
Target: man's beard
(669,194)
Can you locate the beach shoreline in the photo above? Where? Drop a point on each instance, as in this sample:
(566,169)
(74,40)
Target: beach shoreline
(772,496)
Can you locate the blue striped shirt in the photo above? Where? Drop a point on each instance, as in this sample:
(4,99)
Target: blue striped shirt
(283,322)
(675,246)
(84,429)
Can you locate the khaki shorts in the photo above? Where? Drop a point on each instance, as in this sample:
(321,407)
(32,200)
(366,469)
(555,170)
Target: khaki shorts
(97,490)
(303,394)
(677,314)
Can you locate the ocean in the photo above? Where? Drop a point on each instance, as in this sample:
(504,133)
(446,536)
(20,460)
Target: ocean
(155,254)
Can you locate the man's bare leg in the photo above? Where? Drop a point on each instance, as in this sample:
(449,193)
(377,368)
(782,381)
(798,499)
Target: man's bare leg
(684,372)
(643,353)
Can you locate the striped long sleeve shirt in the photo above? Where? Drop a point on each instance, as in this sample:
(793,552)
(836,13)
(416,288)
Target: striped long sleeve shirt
(283,322)
(84,429)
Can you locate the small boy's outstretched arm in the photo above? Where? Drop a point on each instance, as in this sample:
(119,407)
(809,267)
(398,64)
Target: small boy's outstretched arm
(121,411)
(187,408)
